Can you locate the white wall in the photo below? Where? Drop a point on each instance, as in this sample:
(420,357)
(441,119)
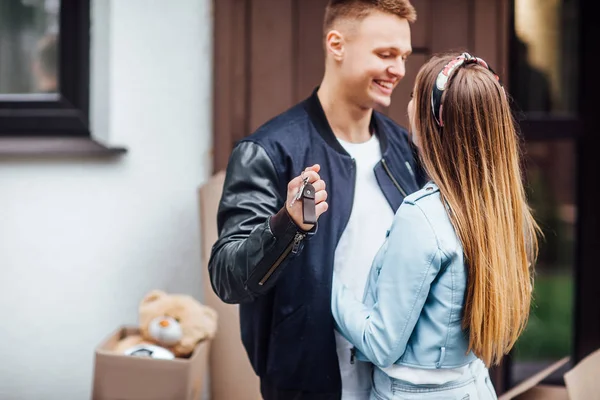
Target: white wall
(81,241)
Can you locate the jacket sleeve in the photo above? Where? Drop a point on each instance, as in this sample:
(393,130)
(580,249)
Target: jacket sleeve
(257,237)
(408,268)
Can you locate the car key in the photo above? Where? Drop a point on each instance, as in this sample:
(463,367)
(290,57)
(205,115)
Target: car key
(298,195)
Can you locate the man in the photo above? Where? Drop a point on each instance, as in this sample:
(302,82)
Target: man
(45,65)
(361,166)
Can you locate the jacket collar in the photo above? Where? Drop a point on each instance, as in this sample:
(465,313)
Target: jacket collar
(317,115)
(430,186)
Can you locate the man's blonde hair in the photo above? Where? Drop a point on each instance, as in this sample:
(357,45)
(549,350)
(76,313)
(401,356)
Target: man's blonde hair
(359,9)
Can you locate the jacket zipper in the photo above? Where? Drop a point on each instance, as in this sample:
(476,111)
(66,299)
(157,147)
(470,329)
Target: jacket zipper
(293,246)
(409,168)
(394,181)
(352,355)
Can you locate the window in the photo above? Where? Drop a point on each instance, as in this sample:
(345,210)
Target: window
(544,67)
(29,47)
(551,185)
(545,63)
(44,76)
(545,85)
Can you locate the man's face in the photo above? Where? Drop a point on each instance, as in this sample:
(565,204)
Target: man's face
(374,56)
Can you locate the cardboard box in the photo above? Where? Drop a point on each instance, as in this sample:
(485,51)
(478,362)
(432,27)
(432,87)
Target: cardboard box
(121,377)
(228,357)
(582,382)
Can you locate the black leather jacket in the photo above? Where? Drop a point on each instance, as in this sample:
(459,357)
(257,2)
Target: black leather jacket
(280,275)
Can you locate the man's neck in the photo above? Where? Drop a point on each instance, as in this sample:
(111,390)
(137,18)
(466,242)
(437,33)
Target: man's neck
(348,121)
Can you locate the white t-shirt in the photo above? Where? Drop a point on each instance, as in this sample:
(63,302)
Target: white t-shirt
(370,219)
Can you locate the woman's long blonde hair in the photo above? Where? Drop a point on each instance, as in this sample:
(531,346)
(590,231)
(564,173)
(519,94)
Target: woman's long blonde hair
(475,161)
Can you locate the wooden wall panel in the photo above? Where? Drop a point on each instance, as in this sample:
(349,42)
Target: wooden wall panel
(230,81)
(223,30)
(401,96)
(239,84)
(450,25)
(271,60)
(485,45)
(421,29)
(503,37)
(269,55)
(310,57)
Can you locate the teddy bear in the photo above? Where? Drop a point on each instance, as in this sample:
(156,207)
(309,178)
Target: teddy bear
(175,322)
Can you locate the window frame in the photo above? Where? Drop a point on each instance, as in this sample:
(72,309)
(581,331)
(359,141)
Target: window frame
(57,124)
(536,126)
(66,113)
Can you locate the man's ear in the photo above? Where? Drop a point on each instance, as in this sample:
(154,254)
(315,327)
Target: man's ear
(334,44)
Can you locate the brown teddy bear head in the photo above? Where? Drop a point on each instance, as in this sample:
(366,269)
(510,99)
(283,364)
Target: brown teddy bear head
(176,321)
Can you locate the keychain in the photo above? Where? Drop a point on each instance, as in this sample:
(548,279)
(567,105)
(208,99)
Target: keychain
(306,193)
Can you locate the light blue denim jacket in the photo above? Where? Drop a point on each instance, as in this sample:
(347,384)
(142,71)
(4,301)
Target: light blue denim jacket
(412,309)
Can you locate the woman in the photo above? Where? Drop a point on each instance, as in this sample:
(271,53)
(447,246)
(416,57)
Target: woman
(449,292)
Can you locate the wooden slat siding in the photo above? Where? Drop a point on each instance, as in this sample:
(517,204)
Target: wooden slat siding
(401,96)
(240,74)
(450,25)
(471,28)
(222,82)
(484,38)
(420,42)
(502,34)
(310,61)
(421,29)
(268,55)
(272,80)
(230,81)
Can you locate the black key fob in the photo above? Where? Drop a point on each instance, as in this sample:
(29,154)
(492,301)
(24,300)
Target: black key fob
(309,213)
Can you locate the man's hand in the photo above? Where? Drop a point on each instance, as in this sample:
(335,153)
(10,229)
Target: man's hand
(295,209)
